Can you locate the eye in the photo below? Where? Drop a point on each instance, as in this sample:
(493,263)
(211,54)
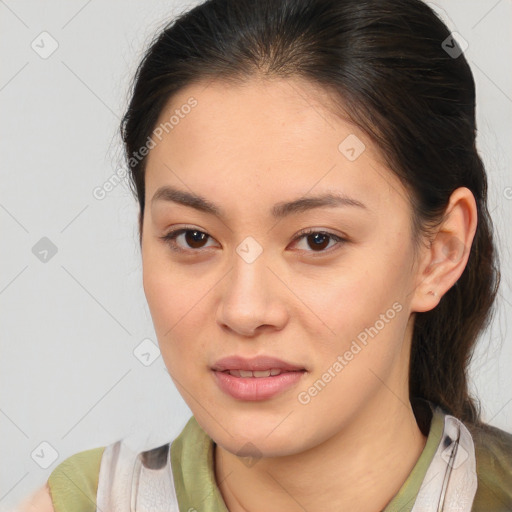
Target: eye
(319,240)
(193,237)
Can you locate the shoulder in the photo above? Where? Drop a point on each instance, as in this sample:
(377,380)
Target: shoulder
(73,483)
(71,486)
(39,501)
(493,452)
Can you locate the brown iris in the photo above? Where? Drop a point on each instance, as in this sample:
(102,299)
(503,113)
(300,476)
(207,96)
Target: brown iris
(194,238)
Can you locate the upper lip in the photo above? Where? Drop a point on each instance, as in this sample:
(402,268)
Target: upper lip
(254,364)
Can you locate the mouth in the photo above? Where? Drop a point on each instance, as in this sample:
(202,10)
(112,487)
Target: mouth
(255,379)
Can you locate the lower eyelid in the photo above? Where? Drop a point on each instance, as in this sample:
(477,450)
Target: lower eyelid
(170,239)
(339,240)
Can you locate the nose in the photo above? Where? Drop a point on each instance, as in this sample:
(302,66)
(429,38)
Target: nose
(253,298)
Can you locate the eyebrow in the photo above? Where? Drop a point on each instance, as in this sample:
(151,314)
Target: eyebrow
(278,211)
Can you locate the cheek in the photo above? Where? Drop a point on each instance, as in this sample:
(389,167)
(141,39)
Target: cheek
(157,287)
(166,291)
(166,307)
(363,299)
(174,298)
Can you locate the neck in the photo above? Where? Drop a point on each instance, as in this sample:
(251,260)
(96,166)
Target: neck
(360,468)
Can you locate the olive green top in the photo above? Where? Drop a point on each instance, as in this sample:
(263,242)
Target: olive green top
(73,483)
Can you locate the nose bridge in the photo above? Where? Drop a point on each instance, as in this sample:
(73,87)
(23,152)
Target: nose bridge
(249,250)
(248,297)
(250,267)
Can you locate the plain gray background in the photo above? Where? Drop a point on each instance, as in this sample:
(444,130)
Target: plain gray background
(72,319)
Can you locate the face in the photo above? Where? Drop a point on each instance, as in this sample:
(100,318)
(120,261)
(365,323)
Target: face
(244,280)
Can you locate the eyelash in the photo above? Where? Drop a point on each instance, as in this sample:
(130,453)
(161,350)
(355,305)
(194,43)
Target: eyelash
(170,239)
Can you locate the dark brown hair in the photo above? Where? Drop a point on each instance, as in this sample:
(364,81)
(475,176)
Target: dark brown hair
(387,66)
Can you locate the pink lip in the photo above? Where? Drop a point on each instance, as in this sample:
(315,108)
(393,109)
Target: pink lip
(255,388)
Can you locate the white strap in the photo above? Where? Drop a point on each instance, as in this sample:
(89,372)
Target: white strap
(451,481)
(126,484)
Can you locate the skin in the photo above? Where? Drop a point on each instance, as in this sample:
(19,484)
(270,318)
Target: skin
(39,501)
(247,148)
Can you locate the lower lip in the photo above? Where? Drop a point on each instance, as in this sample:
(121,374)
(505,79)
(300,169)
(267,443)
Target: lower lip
(256,388)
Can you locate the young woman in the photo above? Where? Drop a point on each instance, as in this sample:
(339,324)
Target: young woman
(318,260)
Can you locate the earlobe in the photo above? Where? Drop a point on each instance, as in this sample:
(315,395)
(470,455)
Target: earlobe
(446,258)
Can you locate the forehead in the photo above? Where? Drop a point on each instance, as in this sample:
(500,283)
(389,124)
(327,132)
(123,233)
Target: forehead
(262,137)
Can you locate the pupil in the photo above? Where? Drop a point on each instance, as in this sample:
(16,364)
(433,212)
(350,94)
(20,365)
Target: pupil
(195,237)
(318,236)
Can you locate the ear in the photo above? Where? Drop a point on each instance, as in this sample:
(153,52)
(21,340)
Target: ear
(443,262)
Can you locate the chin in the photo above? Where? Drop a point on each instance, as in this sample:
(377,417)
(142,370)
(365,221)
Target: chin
(258,448)
(257,439)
